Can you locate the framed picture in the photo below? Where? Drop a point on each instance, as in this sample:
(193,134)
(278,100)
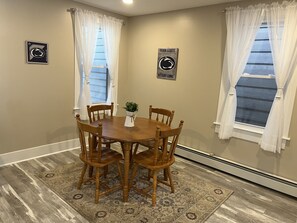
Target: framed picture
(36,52)
(167,63)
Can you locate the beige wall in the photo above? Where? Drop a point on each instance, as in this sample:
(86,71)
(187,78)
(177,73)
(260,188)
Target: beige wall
(200,36)
(37,100)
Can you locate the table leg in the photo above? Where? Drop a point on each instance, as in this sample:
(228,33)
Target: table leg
(127,149)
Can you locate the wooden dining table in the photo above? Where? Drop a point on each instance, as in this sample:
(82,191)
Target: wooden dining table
(144,130)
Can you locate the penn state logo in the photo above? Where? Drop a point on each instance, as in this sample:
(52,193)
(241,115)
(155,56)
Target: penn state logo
(37,52)
(166,63)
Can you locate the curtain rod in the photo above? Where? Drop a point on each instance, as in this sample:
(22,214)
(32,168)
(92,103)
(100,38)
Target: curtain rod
(72,10)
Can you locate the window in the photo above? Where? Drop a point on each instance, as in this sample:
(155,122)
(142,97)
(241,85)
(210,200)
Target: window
(95,82)
(99,74)
(256,87)
(262,112)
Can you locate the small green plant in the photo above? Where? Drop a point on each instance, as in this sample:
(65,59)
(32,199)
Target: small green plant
(131,106)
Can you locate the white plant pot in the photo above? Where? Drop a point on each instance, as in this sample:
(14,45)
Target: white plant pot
(130,118)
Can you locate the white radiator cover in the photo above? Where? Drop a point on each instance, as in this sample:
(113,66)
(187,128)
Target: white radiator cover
(265,179)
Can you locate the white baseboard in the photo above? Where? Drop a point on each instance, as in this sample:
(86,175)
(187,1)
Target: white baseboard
(265,179)
(39,151)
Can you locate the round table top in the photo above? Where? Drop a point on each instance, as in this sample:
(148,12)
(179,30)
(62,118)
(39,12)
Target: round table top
(144,129)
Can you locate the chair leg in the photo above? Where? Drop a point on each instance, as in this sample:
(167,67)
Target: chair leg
(120,173)
(168,173)
(81,179)
(123,151)
(90,171)
(154,194)
(134,172)
(165,175)
(122,147)
(105,171)
(135,149)
(97,186)
(149,175)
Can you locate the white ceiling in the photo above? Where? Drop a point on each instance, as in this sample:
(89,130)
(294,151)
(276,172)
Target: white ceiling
(143,7)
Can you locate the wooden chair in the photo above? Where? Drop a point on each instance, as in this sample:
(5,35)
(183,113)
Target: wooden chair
(155,160)
(161,115)
(95,156)
(98,112)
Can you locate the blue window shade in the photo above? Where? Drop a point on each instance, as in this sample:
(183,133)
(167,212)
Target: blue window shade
(256,88)
(254,100)
(99,74)
(260,60)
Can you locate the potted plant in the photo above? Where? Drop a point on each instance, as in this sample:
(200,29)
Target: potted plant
(131,106)
(131,109)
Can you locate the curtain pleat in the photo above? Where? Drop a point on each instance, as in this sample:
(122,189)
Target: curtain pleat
(112,35)
(282,25)
(242,26)
(85,44)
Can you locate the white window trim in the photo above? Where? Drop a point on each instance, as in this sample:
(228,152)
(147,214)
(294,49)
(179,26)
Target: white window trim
(248,132)
(262,76)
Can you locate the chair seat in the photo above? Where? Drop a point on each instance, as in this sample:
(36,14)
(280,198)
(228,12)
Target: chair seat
(108,156)
(146,159)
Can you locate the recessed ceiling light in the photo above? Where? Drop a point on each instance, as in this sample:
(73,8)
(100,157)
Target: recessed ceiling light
(128,1)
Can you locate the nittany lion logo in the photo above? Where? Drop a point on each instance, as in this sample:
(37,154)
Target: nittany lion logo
(166,63)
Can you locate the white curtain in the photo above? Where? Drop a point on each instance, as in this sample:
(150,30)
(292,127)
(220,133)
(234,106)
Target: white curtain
(282,24)
(112,35)
(86,25)
(242,26)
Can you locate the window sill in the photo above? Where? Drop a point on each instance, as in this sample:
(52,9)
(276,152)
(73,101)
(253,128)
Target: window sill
(247,132)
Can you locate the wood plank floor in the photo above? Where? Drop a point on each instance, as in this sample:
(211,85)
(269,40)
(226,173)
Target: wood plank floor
(23,198)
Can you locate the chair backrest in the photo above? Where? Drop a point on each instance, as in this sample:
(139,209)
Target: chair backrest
(91,134)
(161,115)
(97,112)
(168,139)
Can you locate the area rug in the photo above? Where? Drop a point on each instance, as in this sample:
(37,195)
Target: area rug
(194,199)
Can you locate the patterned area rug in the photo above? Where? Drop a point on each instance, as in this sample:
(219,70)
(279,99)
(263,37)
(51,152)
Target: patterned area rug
(194,199)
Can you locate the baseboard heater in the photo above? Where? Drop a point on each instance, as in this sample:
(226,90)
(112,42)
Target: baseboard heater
(265,179)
